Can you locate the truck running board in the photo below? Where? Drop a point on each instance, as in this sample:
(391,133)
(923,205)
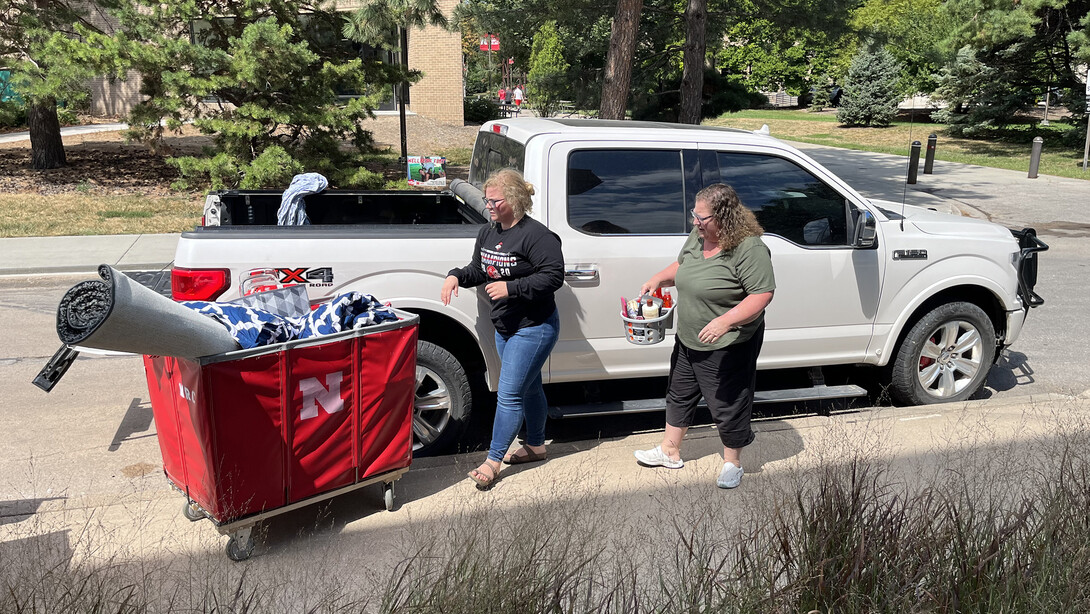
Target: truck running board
(812,393)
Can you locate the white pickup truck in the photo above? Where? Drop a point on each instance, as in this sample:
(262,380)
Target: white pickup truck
(930,297)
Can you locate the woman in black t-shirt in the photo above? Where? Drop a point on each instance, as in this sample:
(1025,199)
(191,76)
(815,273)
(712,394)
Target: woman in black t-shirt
(520,261)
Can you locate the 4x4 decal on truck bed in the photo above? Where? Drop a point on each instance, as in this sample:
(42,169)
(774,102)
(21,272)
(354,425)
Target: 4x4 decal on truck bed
(317,276)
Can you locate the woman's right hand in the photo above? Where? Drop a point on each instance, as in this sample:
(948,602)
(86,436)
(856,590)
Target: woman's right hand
(450,286)
(649,286)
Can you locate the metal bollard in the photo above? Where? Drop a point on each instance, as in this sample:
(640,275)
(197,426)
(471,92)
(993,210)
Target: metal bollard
(1035,156)
(914,162)
(929,158)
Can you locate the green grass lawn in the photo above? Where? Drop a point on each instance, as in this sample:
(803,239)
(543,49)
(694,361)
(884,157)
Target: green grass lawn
(1010,150)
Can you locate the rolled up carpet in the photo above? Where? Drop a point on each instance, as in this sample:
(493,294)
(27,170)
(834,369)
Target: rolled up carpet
(119,314)
(470,195)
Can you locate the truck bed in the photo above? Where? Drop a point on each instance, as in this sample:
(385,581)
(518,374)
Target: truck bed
(347,207)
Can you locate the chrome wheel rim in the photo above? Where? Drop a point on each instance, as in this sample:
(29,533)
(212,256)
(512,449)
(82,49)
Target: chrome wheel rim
(950,359)
(431,407)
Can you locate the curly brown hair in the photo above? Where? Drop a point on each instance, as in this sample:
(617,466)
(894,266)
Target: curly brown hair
(735,221)
(516,191)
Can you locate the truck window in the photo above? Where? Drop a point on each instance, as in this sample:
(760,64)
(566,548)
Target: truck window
(626,191)
(493,152)
(787,199)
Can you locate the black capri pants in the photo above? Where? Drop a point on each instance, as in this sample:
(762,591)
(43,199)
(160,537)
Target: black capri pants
(725,378)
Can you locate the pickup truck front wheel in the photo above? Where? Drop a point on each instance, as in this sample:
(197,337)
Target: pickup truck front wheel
(945,356)
(443,399)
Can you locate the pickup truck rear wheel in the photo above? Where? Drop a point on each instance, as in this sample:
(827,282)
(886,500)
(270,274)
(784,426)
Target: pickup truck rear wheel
(945,356)
(443,399)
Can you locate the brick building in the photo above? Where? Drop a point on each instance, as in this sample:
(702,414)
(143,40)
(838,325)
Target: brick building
(435,52)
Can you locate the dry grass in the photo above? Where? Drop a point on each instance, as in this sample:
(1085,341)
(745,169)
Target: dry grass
(37,215)
(823,129)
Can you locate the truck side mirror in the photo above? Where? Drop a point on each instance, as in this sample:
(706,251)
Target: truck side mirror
(866,235)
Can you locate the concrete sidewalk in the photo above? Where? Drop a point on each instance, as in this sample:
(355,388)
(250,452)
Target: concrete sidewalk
(37,255)
(1006,197)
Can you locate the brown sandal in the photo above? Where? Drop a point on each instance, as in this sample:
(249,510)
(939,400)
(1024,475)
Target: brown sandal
(529,457)
(477,476)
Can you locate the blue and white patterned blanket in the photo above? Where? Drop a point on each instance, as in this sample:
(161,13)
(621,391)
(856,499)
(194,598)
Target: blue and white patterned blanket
(255,328)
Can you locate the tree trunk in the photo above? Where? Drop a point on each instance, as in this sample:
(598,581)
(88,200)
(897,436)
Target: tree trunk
(692,76)
(622,47)
(46,148)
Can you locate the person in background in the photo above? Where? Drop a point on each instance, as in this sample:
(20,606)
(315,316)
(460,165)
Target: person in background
(724,280)
(518,95)
(502,95)
(521,263)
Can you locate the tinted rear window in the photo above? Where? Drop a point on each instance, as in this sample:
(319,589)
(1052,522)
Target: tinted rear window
(492,153)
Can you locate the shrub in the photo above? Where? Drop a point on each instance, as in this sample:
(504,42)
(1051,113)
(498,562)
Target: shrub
(872,91)
(480,110)
(722,95)
(12,114)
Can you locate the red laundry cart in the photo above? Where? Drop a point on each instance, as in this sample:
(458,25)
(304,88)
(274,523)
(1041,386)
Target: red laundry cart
(249,434)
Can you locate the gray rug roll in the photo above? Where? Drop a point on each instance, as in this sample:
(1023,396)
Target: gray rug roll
(119,314)
(470,195)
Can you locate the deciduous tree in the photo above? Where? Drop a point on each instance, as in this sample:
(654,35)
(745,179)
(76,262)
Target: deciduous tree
(548,70)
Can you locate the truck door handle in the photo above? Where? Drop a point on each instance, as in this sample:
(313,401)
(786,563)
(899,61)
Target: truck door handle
(583,275)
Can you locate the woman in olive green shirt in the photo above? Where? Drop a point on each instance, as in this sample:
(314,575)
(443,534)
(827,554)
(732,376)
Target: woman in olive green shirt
(724,280)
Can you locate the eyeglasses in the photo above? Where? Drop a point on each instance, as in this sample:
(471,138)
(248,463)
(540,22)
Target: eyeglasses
(700,219)
(492,202)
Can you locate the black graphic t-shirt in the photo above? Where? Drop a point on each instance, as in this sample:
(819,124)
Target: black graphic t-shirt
(527,256)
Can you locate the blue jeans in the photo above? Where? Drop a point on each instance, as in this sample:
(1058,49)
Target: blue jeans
(520,395)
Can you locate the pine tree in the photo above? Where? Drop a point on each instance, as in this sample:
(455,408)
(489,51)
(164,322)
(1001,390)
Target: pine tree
(871,91)
(548,70)
(35,39)
(273,84)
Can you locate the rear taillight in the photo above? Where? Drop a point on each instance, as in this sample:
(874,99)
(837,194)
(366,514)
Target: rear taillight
(198,284)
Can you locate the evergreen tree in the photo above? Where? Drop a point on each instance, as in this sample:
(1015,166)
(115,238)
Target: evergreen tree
(273,83)
(36,37)
(871,91)
(1023,48)
(548,70)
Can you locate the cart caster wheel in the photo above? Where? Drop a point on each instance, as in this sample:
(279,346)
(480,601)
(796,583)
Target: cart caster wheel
(388,496)
(240,549)
(191,512)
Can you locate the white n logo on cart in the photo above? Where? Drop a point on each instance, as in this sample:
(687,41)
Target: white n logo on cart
(315,394)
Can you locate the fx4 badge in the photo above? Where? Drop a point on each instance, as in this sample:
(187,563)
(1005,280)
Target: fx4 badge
(311,276)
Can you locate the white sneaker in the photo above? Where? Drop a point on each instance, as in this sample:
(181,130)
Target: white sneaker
(730,476)
(655,457)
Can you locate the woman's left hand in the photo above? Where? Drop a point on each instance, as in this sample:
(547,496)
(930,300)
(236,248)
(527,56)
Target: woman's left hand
(497,290)
(713,331)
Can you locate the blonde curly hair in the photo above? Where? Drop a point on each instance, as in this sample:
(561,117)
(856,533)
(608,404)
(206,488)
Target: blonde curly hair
(516,191)
(735,221)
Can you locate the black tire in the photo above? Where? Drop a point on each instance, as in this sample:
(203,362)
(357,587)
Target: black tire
(444,400)
(240,550)
(945,356)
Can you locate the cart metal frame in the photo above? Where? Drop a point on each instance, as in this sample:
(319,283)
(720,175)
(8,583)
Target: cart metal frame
(241,544)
